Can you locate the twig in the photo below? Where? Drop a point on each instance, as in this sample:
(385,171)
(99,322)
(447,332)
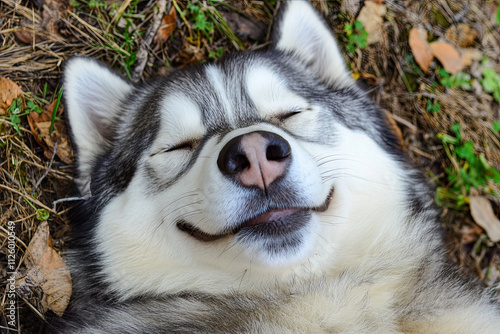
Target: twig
(47,171)
(68,199)
(142,55)
(273,20)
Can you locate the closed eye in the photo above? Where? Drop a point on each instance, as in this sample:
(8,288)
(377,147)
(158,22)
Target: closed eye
(188,145)
(287,115)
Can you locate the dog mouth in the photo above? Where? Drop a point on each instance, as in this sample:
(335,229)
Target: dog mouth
(272,220)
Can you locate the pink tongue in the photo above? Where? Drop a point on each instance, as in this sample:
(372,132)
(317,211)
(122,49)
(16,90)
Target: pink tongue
(272,215)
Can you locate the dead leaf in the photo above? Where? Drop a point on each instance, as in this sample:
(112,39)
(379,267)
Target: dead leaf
(53,12)
(461,35)
(420,48)
(483,215)
(469,56)
(9,91)
(167,26)
(26,36)
(448,56)
(189,54)
(40,128)
(47,270)
(371,15)
(244,28)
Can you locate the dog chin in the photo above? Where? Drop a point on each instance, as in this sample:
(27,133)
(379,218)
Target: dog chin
(279,250)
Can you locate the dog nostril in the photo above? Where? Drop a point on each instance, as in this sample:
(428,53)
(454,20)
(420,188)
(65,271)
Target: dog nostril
(278,150)
(236,164)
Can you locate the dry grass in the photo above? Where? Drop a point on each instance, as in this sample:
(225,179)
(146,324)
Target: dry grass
(35,42)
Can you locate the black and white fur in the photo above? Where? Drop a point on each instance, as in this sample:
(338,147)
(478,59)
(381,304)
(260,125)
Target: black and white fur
(356,246)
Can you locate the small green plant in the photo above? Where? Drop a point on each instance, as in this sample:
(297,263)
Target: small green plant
(197,14)
(54,111)
(216,54)
(470,170)
(460,80)
(41,214)
(16,112)
(433,106)
(491,83)
(356,36)
(496,126)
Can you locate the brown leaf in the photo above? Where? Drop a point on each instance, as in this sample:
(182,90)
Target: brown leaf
(469,56)
(244,28)
(189,54)
(167,26)
(371,15)
(26,36)
(48,271)
(448,56)
(461,35)
(40,128)
(9,91)
(483,215)
(420,48)
(53,12)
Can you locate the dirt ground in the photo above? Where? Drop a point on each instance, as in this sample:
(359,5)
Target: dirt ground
(144,39)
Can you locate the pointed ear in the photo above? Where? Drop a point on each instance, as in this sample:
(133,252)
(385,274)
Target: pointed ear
(301,31)
(93,96)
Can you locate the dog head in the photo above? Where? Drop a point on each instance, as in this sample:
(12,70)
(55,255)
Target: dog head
(262,167)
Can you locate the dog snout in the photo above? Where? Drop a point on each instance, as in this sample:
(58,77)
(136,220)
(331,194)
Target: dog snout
(255,159)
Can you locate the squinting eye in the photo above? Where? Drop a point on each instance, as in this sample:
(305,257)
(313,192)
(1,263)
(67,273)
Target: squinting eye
(181,146)
(188,145)
(285,116)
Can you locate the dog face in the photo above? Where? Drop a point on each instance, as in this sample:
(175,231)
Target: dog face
(260,167)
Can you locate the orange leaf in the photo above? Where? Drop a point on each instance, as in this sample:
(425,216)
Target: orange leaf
(40,128)
(420,48)
(167,26)
(9,91)
(448,56)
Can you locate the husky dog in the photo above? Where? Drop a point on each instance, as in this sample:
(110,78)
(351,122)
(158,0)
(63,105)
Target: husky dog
(263,193)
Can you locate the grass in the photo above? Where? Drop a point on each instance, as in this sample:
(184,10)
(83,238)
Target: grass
(469,170)
(460,158)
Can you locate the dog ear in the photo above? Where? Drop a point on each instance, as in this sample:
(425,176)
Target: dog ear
(93,95)
(301,31)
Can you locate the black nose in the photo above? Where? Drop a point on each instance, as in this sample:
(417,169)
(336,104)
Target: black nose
(255,159)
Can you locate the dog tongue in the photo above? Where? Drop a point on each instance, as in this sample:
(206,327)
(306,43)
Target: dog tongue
(269,216)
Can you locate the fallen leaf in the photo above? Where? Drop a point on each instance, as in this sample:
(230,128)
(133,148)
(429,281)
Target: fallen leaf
(40,128)
(53,12)
(461,35)
(26,36)
(167,26)
(483,215)
(448,56)
(371,15)
(469,56)
(245,28)
(47,270)
(9,91)
(189,54)
(420,48)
